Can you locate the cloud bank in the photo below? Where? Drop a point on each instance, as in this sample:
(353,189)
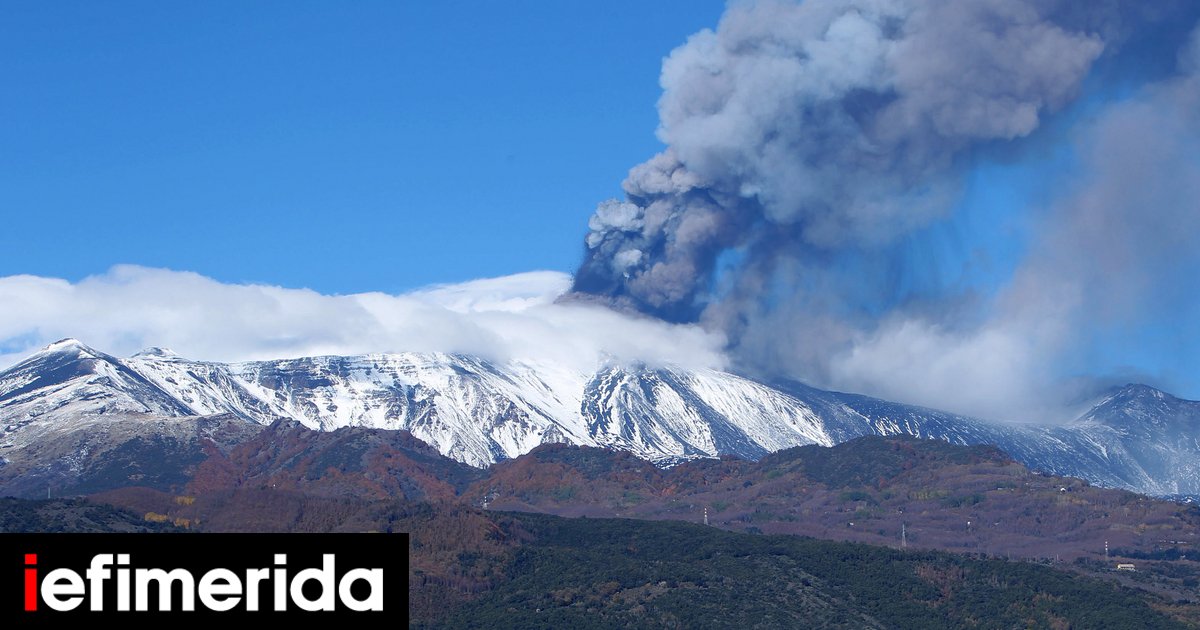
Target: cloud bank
(130,308)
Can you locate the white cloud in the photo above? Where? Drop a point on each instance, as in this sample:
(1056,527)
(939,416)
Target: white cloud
(993,372)
(513,293)
(130,308)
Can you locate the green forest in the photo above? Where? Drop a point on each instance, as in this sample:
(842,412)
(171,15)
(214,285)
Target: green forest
(617,573)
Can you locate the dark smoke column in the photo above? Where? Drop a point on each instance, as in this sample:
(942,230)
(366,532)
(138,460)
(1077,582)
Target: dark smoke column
(655,252)
(798,130)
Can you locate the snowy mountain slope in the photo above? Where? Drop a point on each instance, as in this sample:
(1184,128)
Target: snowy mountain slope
(69,377)
(670,414)
(469,409)
(203,388)
(479,412)
(1155,430)
(1135,437)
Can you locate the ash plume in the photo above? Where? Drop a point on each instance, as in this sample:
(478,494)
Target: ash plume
(811,146)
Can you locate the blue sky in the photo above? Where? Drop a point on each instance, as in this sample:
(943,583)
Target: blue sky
(344,148)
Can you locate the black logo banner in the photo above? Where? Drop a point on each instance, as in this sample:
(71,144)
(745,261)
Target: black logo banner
(51,579)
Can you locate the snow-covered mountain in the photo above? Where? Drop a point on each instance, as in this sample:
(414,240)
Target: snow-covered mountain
(479,412)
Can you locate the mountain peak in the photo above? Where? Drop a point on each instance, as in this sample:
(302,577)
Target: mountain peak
(1142,388)
(155,352)
(69,346)
(1142,407)
(61,344)
(1138,392)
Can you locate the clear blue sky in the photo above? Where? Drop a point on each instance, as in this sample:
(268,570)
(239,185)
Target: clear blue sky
(338,146)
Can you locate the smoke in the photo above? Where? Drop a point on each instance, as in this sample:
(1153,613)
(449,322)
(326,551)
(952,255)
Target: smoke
(813,148)
(1113,264)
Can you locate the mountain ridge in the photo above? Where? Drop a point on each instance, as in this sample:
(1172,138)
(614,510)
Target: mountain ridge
(479,412)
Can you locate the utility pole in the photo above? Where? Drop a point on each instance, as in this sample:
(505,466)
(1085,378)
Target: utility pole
(904,535)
